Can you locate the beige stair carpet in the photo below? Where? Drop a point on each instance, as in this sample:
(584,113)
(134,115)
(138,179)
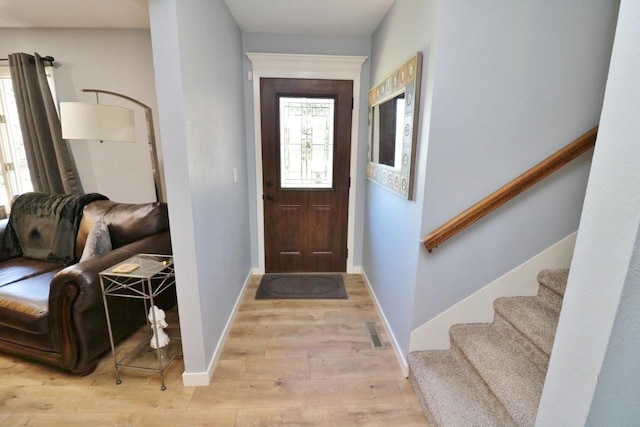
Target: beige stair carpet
(494,373)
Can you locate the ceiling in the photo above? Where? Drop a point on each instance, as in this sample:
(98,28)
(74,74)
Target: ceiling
(311,17)
(74,14)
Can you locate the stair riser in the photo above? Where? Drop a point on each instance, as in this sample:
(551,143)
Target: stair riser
(492,400)
(540,353)
(519,409)
(493,374)
(421,398)
(554,299)
(555,281)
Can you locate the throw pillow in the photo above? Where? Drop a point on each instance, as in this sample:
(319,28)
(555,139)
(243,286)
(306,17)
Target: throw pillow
(98,241)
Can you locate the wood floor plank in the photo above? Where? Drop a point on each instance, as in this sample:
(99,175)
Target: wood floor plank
(78,399)
(159,418)
(284,363)
(307,332)
(278,317)
(251,304)
(246,394)
(331,348)
(263,369)
(332,416)
(408,394)
(242,348)
(353,367)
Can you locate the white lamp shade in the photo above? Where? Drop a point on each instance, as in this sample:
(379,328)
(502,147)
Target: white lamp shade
(81,120)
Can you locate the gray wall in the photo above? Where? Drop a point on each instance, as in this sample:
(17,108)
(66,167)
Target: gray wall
(116,60)
(515,81)
(593,373)
(615,401)
(198,60)
(392,224)
(315,45)
(510,83)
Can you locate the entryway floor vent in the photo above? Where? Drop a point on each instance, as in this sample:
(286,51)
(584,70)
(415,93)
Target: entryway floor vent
(374,336)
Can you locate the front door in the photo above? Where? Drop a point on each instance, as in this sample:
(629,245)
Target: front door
(306,145)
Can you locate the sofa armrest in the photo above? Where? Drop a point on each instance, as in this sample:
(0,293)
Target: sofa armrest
(76,309)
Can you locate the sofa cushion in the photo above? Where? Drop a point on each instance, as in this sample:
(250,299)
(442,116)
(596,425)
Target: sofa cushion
(24,305)
(16,269)
(127,222)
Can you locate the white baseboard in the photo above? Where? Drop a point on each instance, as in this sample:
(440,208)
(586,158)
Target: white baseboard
(478,308)
(193,379)
(402,361)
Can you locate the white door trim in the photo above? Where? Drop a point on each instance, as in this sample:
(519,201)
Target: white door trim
(327,67)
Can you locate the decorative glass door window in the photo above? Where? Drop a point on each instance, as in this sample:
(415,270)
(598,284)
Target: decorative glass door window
(306,142)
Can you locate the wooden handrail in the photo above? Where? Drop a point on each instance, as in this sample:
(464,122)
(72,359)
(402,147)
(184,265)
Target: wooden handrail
(510,190)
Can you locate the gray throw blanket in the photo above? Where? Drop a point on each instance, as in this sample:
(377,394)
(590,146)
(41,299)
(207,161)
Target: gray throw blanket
(44,226)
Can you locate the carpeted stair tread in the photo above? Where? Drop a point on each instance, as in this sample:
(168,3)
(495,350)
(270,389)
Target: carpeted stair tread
(535,317)
(451,394)
(555,280)
(494,373)
(506,361)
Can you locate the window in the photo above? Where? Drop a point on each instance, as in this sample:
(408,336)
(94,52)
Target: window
(306,142)
(15,178)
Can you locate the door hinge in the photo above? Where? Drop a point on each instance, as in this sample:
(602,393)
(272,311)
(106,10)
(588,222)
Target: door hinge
(3,119)
(347,253)
(352,103)
(349,182)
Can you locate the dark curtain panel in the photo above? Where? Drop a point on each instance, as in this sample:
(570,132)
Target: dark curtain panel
(50,163)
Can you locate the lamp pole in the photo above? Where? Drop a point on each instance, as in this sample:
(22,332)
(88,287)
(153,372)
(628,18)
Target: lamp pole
(150,132)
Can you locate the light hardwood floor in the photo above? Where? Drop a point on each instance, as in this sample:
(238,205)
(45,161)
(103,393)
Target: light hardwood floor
(285,363)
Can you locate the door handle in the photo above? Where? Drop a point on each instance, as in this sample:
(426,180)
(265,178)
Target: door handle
(269,197)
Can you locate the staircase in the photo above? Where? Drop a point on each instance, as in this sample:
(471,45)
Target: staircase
(493,374)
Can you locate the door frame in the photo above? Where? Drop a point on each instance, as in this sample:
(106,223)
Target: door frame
(293,66)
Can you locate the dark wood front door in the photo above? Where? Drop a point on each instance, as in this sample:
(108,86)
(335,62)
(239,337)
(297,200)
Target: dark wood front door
(306,145)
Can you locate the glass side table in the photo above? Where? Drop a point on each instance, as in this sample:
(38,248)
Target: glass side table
(143,276)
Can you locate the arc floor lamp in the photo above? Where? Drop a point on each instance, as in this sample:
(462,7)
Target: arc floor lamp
(83,120)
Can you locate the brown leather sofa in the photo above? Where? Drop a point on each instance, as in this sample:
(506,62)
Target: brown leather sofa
(55,314)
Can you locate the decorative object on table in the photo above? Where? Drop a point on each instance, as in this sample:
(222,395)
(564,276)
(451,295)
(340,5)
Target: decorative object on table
(125,268)
(301,286)
(157,320)
(82,120)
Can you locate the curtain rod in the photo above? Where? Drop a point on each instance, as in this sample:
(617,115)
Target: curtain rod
(49,59)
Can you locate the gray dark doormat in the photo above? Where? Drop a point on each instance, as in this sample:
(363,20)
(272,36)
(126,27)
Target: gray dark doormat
(301,286)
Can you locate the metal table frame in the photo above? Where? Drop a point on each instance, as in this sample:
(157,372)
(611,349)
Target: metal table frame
(154,275)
